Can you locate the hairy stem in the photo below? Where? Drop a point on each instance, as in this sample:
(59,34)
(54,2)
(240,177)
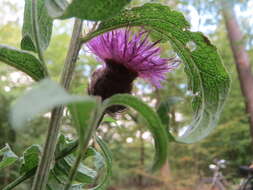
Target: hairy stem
(42,172)
(35,28)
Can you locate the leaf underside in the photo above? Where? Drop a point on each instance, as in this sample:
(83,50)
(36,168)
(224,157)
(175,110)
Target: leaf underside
(207,76)
(85,9)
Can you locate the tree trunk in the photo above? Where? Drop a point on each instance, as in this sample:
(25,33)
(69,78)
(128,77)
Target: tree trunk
(241,59)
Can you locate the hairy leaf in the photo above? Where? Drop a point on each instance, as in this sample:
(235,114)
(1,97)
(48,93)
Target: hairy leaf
(23,61)
(207,76)
(40,99)
(45,25)
(85,9)
(8,157)
(154,124)
(30,158)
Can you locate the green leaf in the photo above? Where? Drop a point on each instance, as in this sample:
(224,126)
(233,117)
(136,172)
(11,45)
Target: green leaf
(30,158)
(207,76)
(85,9)
(40,99)
(108,160)
(23,61)
(8,157)
(154,124)
(55,184)
(99,160)
(82,114)
(165,107)
(62,167)
(109,120)
(45,25)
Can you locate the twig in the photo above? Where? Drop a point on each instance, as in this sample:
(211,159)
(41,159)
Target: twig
(42,172)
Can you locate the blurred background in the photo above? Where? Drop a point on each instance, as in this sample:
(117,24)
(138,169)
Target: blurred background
(130,142)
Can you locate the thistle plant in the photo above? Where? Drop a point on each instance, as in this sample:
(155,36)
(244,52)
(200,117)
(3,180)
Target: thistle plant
(121,43)
(126,56)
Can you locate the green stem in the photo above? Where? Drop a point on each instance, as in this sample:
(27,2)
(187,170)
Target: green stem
(73,171)
(96,120)
(35,27)
(41,176)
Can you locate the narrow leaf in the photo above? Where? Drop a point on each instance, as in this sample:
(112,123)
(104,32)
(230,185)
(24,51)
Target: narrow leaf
(108,161)
(40,99)
(154,124)
(85,9)
(45,25)
(207,76)
(23,61)
(8,157)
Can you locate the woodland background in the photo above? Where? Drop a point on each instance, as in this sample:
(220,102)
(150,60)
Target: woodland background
(130,143)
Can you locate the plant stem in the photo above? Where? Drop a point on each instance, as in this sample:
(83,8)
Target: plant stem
(95,121)
(42,172)
(73,171)
(35,28)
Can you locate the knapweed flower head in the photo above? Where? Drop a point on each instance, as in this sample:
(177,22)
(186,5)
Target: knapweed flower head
(126,55)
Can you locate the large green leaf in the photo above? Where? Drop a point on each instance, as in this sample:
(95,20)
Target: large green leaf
(40,99)
(8,157)
(207,76)
(154,124)
(23,61)
(45,25)
(85,9)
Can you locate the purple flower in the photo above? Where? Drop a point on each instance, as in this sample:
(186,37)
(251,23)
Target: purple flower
(126,56)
